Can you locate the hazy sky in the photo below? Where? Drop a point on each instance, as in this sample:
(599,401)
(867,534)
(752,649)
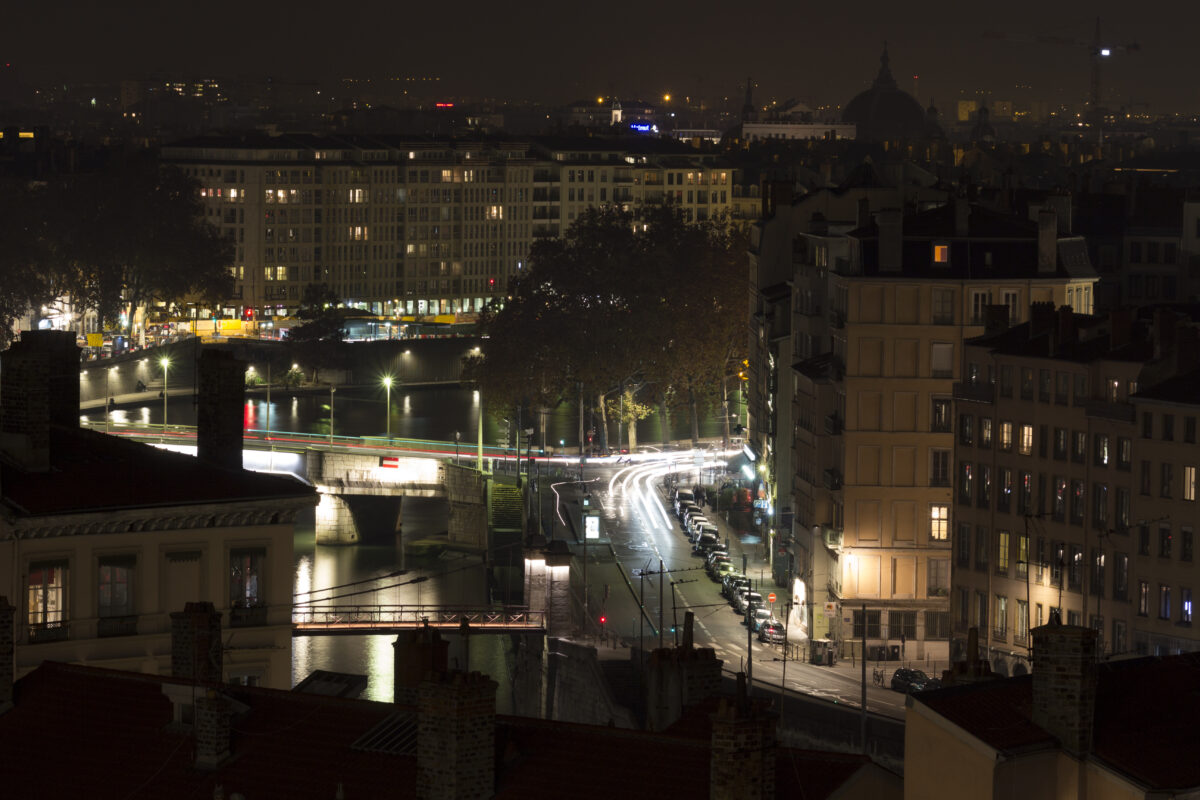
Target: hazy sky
(820,52)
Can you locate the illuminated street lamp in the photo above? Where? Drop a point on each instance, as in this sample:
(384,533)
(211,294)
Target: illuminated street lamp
(166,363)
(332,389)
(387,385)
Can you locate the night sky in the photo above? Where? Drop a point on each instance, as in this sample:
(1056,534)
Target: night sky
(819,52)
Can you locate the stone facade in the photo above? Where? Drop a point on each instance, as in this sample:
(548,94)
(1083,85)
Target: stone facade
(467,492)
(1064,684)
(196,649)
(456,737)
(548,586)
(212,730)
(743,749)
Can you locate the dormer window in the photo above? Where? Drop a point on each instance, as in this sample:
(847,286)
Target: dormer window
(941,253)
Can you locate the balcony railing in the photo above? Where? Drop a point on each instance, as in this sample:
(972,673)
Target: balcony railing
(834,424)
(833,479)
(247,616)
(1000,634)
(117,626)
(42,632)
(832,537)
(837,319)
(978,392)
(1119,412)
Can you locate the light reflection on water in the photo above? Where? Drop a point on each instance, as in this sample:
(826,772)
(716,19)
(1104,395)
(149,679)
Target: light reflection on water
(454,580)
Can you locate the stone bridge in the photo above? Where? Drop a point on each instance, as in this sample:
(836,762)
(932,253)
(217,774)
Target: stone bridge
(339,476)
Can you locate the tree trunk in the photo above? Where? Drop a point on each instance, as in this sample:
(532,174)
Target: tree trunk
(603,427)
(695,414)
(632,437)
(664,423)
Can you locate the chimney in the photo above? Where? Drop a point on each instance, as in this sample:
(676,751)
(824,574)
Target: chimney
(1120,322)
(1067,331)
(890,222)
(688,617)
(7,665)
(1061,205)
(1047,241)
(40,388)
(995,318)
(742,759)
(1064,684)
(1041,318)
(196,651)
(212,729)
(863,212)
(679,678)
(1164,332)
(962,216)
(219,414)
(416,655)
(456,737)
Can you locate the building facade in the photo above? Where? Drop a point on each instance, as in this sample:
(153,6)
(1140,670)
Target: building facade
(417,227)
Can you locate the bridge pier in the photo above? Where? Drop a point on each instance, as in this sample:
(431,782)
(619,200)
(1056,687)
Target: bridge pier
(335,522)
(548,586)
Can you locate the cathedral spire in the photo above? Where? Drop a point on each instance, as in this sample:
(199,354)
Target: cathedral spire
(885,78)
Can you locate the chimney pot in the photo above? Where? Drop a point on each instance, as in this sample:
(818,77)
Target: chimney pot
(196,649)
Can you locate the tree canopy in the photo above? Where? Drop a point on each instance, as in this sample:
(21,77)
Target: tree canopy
(649,301)
(129,234)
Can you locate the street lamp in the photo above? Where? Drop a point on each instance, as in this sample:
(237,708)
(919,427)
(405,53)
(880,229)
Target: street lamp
(457,438)
(166,363)
(332,389)
(387,384)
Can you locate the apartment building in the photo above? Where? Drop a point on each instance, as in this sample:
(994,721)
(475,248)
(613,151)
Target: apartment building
(417,227)
(1075,443)
(872,392)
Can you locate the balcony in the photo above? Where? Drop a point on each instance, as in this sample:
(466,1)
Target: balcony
(833,479)
(43,632)
(834,424)
(1118,412)
(1000,634)
(117,626)
(831,537)
(837,319)
(979,392)
(247,616)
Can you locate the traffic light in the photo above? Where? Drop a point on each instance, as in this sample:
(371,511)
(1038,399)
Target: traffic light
(603,619)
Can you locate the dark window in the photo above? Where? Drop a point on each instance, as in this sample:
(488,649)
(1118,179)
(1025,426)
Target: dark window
(1143,540)
(902,623)
(1004,489)
(981,547)
(966,429)
(1147,425)
(1044,378)
(1025,493)
(1078,446)
(1100,506)
(1060,444)
(1042,436)
(1168,478)
(985,486)
(1006,381)
(965,479)
(1185,544)
(1168,427)
(1060,499)
(1077,499)
(1164,542)
(1124,453)
(1145,477)
(1189,430)
(939,470)
(940,419)
(1026,383)
(962,544)
(871,627)
(246,576)
(1120,576)
(1062,387)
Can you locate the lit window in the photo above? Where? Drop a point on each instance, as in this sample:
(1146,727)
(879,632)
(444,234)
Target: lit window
(941,254)
(1026,444)
(939,522)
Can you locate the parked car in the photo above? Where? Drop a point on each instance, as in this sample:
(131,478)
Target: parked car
(772,632)
(748,599)
(731,583)
(722,569)
(759,616)
(685,509)
(913,680)
(695,522)
(714,561)
(683,496)
(704,544)
(708,527)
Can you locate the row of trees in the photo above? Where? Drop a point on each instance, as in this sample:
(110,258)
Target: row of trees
(126,235)
(631,312)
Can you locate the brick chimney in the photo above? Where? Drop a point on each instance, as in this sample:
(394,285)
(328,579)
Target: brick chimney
(742,760)
(456,737)
(416,655)
(890,222)
(40,388)
(1047,241)
(211,728)
(219,414)
(1064,684)
(196,651)
(7,665)
(679,678)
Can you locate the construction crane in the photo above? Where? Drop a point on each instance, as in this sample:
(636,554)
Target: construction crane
(1098,50)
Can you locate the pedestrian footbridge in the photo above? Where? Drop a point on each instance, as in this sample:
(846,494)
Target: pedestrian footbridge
(335,620)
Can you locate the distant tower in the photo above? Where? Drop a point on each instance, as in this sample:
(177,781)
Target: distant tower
(616,111)
(748,112)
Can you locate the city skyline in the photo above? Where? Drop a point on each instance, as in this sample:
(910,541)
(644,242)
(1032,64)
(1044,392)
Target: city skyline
(822,55)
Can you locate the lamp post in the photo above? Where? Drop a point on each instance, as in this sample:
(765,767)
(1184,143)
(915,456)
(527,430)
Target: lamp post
(457,438)
(332,389)
(387,385)
(268,399)
(166,363)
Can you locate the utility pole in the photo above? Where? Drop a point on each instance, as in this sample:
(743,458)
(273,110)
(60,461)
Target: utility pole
(661,572)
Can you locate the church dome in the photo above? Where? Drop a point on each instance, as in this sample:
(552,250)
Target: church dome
(885,112)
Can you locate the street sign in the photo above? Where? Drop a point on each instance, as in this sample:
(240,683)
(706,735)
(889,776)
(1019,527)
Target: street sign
(591,526)
(771,597)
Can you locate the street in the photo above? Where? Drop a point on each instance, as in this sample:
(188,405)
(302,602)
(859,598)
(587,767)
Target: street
(639,532)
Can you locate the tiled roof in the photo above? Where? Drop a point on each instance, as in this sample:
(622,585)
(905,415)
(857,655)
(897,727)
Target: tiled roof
(77,731)
(92,471)
(1146,712)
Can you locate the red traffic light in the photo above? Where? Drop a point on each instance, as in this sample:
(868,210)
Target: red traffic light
(603,619)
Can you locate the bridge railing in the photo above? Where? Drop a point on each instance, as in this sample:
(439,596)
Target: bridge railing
(391,616)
